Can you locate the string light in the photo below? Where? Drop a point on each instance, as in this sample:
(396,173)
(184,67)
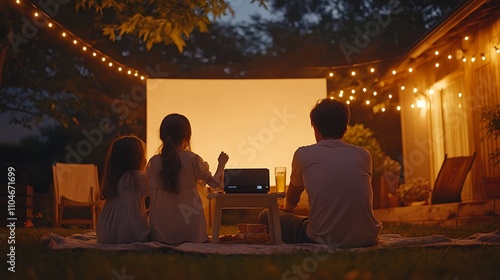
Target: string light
(367,102)
(437,64)
(412,105)
(436,52)
(402,87)
(372,70)
(65,33)
(353,73)
(383,109)
(460,94)
(364,89)
(450,56)
(351,97)
(353,91)
(431,91)
(348,102)
(331,74)
(410,70)
(394,72)
(466,38)
(483,57)
(415,90)
(497,49)
(374,93)
(473,59)
(390,96)
(464,59)
(398,108)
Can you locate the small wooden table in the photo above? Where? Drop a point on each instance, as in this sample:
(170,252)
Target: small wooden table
(247,201)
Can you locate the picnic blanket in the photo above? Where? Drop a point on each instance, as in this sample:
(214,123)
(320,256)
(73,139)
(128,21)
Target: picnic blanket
(88,241)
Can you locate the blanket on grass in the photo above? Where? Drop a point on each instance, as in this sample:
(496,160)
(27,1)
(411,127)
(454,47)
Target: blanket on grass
(88,241)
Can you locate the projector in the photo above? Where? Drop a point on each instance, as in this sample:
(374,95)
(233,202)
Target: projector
(246,180)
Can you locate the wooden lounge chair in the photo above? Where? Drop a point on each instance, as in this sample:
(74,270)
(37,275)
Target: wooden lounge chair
(450,180)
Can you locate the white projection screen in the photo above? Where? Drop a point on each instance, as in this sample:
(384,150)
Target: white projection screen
(258,122)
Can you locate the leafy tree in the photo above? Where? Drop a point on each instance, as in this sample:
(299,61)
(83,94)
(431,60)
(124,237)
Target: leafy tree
(157,21)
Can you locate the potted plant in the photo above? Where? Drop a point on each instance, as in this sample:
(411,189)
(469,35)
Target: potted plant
(491,117)
(415,190)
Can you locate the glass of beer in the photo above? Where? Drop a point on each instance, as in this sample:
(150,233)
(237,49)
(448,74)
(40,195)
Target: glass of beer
(280,174)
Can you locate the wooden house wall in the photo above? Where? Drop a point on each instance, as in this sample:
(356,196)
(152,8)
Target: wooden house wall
(435,129)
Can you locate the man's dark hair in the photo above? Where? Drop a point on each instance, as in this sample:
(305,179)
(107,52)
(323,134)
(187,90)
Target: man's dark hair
(330,117)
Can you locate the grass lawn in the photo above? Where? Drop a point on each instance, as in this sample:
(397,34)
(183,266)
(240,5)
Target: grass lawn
(33,261)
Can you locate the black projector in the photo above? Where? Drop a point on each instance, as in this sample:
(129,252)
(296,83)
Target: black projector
(246,180)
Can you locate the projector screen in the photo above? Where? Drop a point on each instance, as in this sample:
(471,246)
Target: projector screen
(258,123)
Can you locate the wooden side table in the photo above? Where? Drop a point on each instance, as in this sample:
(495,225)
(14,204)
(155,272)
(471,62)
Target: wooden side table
(247,201)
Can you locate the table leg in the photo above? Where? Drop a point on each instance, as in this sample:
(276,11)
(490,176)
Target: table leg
(216,222)
(274,223)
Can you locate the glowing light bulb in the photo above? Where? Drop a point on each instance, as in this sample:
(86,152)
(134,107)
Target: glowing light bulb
(119,69)
(483,57)
(103,59)
(450,56)
(142,77)
(420,104)
(364,89)
(402,87)
(348,102)
(383,109)
(464,59)
(64,34)
(351,97)
(390,96)
(331,74)
(473,59)
(36,14)
(94,54)
(466,38)
(412,105)
(129,72)
(372,70)
(353,91)
(110,64)
(341,94)
(367,102)
(459,94)
(410,70)
(75,41)
(353,73)
(374,93)
(431,91)
(393,72)
(50,24)
(84,48)
(437,64)
(415,89)
(398,108)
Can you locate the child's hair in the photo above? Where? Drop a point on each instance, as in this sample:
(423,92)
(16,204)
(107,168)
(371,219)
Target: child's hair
(175,133)
(126,153)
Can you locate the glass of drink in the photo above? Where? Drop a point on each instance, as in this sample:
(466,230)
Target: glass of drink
(280,174)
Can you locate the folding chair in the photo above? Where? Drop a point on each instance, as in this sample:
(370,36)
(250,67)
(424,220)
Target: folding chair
(450,180)
(75,185)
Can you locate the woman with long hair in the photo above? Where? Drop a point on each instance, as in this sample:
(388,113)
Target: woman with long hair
(176,211)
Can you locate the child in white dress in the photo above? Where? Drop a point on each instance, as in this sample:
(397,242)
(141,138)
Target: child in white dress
(176,211)
(124,187)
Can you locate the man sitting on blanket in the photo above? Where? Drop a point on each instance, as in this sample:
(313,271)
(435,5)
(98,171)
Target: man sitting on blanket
(337,178)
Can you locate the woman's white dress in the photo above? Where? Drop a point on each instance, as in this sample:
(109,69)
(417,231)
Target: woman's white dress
(177,218)
(124,219)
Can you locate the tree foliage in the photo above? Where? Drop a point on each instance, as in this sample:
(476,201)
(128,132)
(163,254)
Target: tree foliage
(157,21)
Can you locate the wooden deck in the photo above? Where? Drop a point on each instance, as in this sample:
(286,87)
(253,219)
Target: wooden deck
(445,214)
